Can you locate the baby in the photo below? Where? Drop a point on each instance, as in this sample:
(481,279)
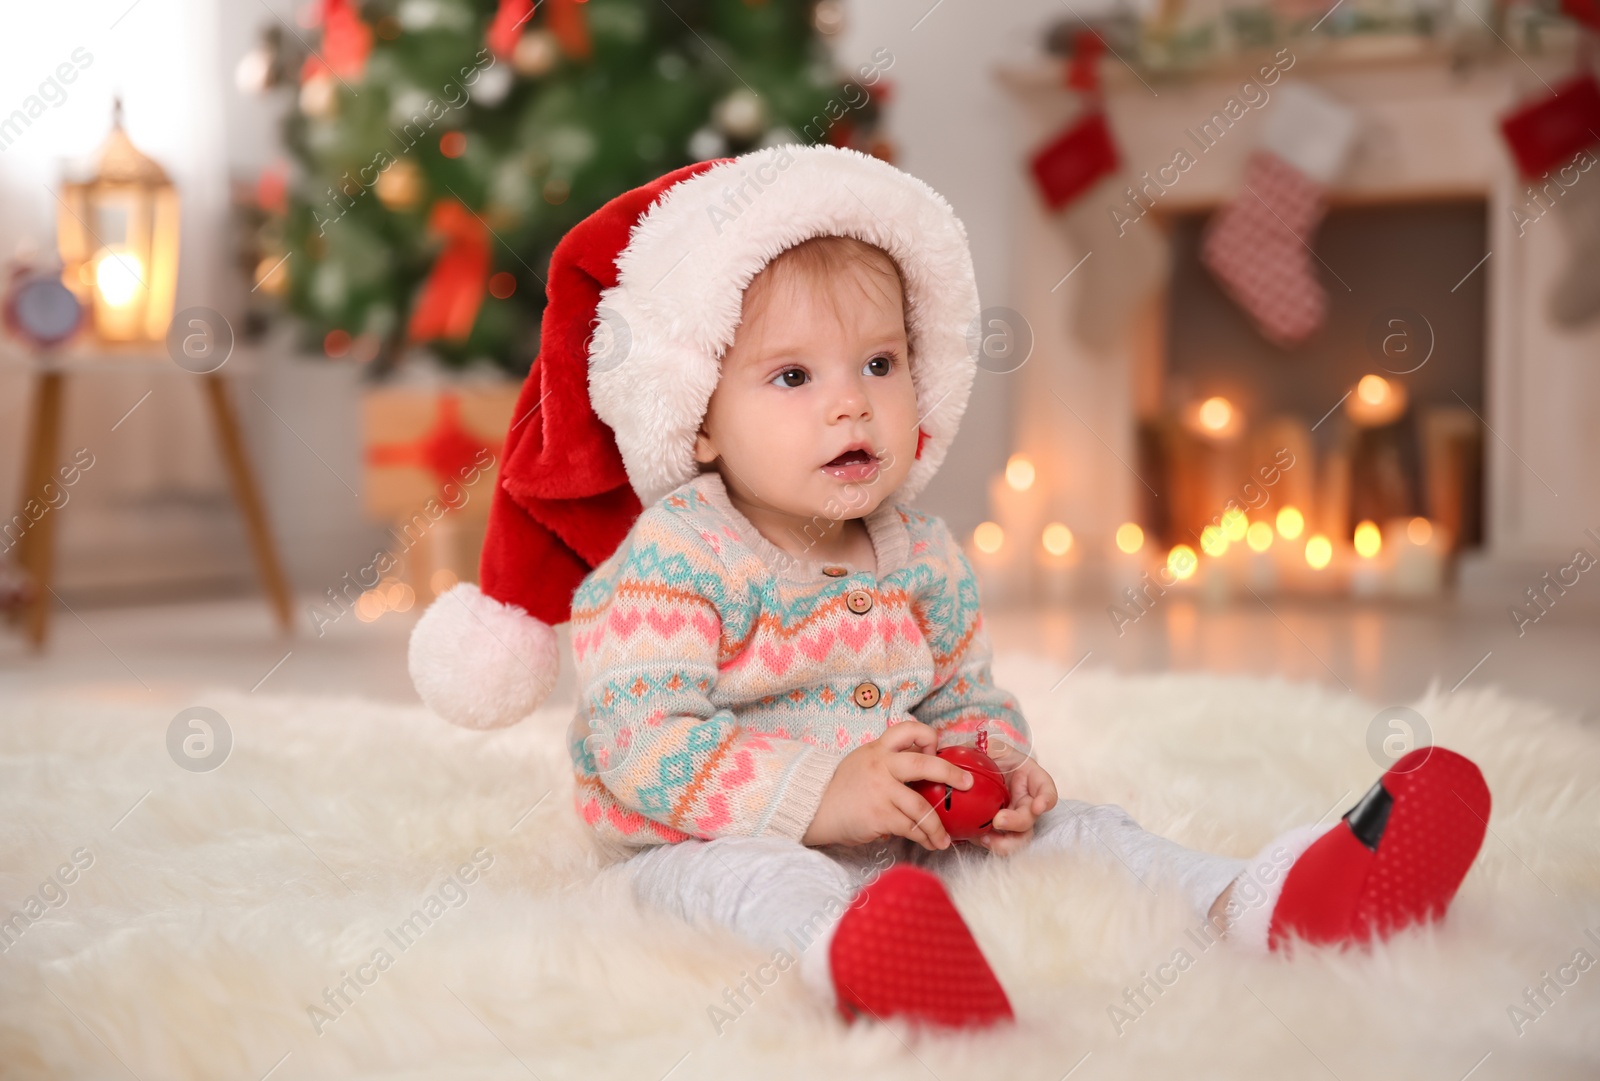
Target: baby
(777,644)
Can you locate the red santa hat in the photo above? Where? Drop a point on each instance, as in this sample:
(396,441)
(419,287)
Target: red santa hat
(644,296)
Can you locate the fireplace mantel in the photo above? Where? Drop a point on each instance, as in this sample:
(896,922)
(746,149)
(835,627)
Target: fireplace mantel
(1429,132)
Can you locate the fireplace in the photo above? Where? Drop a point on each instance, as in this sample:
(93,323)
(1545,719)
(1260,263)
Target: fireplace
(1371,423)
(1141,442)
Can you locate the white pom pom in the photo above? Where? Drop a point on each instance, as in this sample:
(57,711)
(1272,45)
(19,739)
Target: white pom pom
(480,663)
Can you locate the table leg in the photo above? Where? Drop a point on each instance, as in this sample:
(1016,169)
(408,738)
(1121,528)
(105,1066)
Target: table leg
(36,545)
(249,499)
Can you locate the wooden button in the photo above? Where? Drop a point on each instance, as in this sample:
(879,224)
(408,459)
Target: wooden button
(835,571)
(858,601)
(867,695)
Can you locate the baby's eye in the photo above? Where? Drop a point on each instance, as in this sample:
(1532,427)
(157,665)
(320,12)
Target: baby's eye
(882,364)
(783,380)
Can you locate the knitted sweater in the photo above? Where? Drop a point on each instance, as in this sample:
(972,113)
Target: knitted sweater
(722,680)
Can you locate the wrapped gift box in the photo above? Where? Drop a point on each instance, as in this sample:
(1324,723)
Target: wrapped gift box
(428,444)
(432,460)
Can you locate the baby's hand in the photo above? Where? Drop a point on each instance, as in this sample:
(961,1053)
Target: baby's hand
(868,797)
(1033,792)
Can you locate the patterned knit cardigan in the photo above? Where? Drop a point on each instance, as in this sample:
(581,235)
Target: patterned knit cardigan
(722,680)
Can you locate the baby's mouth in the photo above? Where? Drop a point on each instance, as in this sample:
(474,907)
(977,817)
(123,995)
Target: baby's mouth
(852,457)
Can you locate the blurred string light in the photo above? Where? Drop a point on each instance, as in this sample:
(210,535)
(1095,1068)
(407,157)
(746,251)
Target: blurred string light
(1130,538)
(389,595)
(1258,536)
(1419,531)
(988,537)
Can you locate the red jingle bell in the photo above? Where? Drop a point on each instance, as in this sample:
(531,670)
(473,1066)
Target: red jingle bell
(967,813)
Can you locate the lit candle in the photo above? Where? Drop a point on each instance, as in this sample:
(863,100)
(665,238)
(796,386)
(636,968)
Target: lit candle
(1262,573)
(1369,575)
(1376,402)
(1328,562)
(1127,559)
(1319,552)
(1014,501)
(1215,572)
(992,561)
(1419,558)
(1182,563)
(1057,559)
(1288,548)
(1215,419)
(1239,560)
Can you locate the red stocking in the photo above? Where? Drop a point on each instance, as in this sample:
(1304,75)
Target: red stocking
(1259,247)
(1256,248)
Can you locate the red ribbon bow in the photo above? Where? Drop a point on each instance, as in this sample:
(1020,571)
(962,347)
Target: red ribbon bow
(565,19)
(454,289)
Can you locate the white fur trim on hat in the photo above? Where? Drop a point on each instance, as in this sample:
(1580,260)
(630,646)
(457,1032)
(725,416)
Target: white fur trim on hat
(1266,873)
(682,276)
(480,663)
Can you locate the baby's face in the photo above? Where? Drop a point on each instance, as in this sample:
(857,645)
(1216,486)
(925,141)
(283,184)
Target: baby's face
(818,365)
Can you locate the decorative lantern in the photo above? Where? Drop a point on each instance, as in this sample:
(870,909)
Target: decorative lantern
(118,235)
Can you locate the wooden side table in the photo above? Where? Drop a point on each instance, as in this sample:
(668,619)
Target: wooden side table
(36,546)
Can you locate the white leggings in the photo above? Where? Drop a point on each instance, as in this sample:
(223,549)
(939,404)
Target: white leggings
(778,893)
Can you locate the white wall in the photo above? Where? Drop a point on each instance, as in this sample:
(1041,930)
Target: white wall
(952,125)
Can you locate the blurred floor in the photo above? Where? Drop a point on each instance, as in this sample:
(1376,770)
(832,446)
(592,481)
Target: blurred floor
(1386,655)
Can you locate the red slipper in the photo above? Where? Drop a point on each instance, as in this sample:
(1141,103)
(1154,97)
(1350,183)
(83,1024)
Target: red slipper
(902,948)
(1396,858)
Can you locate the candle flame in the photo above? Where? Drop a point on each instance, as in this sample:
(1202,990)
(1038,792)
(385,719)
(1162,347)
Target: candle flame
(1019,472)
(1213,541)
(1369,540)
(1057,539)
(1234,524)
(1215,413)
(1290,523)
(1181,561)
(1319,552)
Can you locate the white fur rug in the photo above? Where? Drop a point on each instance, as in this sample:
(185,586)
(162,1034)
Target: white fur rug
(209,912)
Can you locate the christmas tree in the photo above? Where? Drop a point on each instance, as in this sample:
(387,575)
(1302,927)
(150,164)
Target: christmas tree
(443,147)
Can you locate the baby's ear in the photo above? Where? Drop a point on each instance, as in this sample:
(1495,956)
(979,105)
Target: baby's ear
(704,452)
